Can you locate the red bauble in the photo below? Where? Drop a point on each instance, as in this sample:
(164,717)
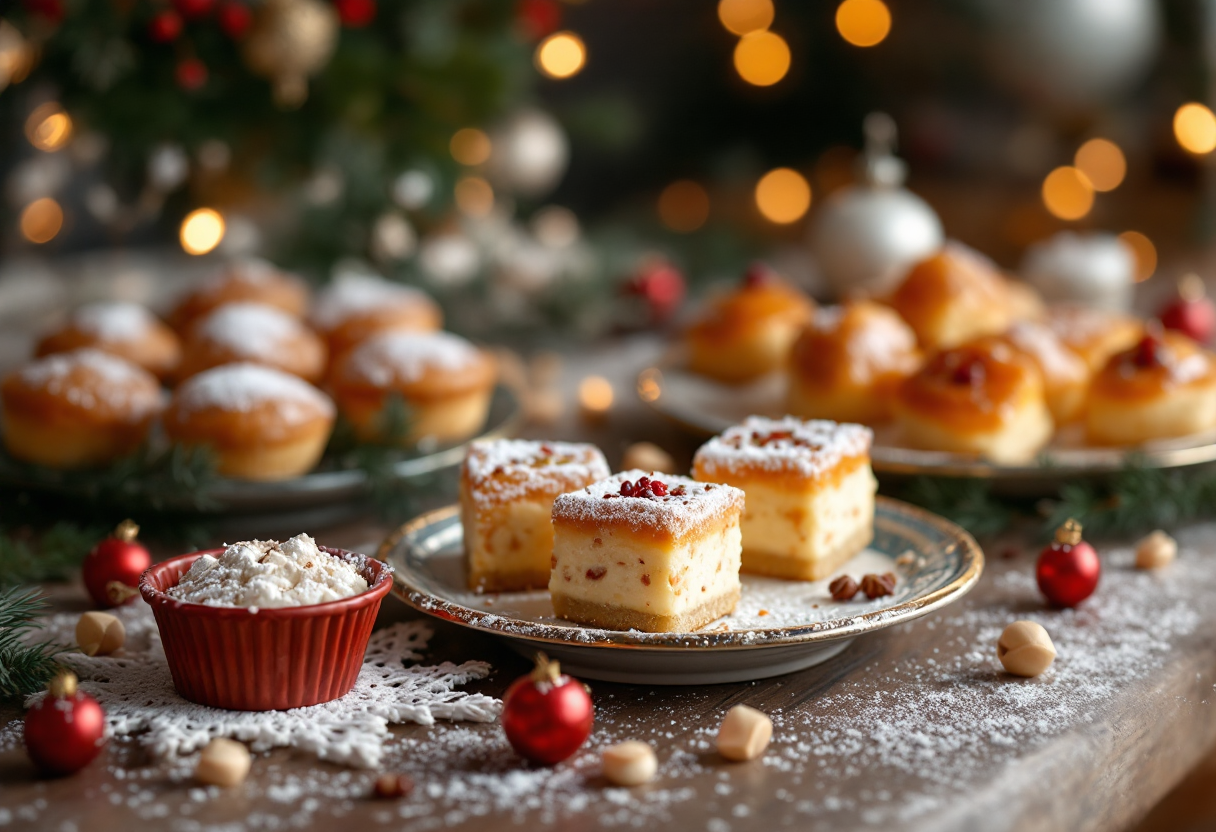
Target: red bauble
(111,571)
(538,18)
(661,285)
(66,730)
(194,9)
(191,74)
(1192,313)
(235,19)
(1068,569)
(166,26)
(356,14)
(547,716)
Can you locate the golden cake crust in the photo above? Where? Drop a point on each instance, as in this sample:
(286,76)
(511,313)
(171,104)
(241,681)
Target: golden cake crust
(126,330)
(620,618)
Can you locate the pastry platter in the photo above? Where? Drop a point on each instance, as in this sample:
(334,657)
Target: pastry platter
(779,626)
(707,407)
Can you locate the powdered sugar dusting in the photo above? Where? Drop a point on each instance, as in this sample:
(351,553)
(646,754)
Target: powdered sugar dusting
(90,378)
(244,387)
(359,294)
(788,445)
(408,356)
(252,330)
(113,321)
(500,470)
(688,507)
(1043,346)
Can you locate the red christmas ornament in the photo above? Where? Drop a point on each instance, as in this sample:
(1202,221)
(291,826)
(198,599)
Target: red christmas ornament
(1192,313)
(191,74)
(547,716)
(165,26)
(538,18)
(661,285)
(235,19)
(194,9)
(51,10)
(356,14)
(1068,569)
(111,571)
(66,730)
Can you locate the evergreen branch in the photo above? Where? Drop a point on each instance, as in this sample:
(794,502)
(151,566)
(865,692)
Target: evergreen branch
(25,667)
(967,502)
(55,556)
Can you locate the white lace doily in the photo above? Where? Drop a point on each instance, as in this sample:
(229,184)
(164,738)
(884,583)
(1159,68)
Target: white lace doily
(136,690)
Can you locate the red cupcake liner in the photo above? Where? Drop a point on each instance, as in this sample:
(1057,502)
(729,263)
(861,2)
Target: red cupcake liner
(272,659)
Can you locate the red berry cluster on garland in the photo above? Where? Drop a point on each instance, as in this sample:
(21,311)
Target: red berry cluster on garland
(194,9)
(538,18)
(355,14)
(65,730)
(546,715)
(235,19)
(112,570)
(49,10)
(165,26)
(191,74)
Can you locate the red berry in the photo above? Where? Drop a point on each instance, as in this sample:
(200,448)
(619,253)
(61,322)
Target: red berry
(52,10)
(166,26)
(758,274)
(65,730)
(659,488)
(235,19)
(112,570)
(547,716)
(538,18)
(356,14)
(194,9)
(1068,570)
(661,285)
(1147,353)
(1192,313)
(191,74)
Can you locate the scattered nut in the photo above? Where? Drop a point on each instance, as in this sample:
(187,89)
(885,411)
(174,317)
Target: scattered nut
(99,633)
(223,763)
(843,588)
(629,763)
(744,733)
(1025,649)
(1156,550)
(392,786)
(876,586)
(648,457)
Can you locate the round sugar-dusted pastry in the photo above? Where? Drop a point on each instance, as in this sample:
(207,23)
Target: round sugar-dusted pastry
(127,330)
(355,308)
(1094,334)
(952,297)
(77,409)
(1065,374)
(256,333)
(252,280)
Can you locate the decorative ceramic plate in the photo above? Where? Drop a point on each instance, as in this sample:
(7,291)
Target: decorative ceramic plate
(778,627)
(704,406)
(326,485)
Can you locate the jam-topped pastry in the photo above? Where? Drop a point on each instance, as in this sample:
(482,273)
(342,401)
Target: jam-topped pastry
(809,487)
(646,551)
(253,332)
(354,308)
(952,297)
(507,488)
(127,330)
(1065,374)
(1094,334)
(253,280)
(848,362)
(983,398)
(747,332)
(1163,386)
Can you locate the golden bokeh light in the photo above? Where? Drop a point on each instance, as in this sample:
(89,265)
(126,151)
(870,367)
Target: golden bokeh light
(762,58)
(783,196)
(650,384)
(474,196)
(863,22)
(48,127)
(41,220)
(1195,128)
(202,230)
(1144,251)
(561,55)
(595,396)
(470,146)
(1068,193)
(684,206)
(742,17)
(1103,164)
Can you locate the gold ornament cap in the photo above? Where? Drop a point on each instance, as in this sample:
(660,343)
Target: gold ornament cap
(127,531)
(1070,533)
(546,670)
(63,686)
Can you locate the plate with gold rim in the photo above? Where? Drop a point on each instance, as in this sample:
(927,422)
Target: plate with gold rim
(778,627)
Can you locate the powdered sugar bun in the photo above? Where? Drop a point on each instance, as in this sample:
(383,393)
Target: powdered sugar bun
(242,280)
(127,330)
(355,308)
(256,333)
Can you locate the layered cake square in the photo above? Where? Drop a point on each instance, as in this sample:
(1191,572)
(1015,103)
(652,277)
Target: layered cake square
(507,488)
(646,551)
(810,492)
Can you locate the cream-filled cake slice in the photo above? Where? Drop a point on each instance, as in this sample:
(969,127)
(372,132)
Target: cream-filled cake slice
(810,492)
(646,551)
(507,487)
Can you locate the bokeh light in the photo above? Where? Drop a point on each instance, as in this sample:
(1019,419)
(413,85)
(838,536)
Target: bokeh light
(561,55)
(1144,251)
(470,146)
(1103,164)
(684,206)
(783,195)
(762,58)
(202,230)
(48,127)
(1068,193)
(41,220)
(595,395)
(742,17)
(1195,128)
(474,196)
(863,22)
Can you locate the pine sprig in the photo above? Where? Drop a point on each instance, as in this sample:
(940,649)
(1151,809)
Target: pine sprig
(55,556)
(969,503)
(25,666)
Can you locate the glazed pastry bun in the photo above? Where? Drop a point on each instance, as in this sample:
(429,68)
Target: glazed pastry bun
(1065,374)
(127,330)
(443,380)
(256,333)
(260,423)
(1094,334)
(952,297)
(1164,386)
(747,332)
(354,308)
(849,361)
(77,409)
(983,399)
(251,280)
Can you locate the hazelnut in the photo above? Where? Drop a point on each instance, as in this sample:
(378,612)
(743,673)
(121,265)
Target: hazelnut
(648,457)
(223,762)
(1025,649)
(744,733)
(843,588)
(99,634)
(629,763)
(392,786)
(1156,550)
